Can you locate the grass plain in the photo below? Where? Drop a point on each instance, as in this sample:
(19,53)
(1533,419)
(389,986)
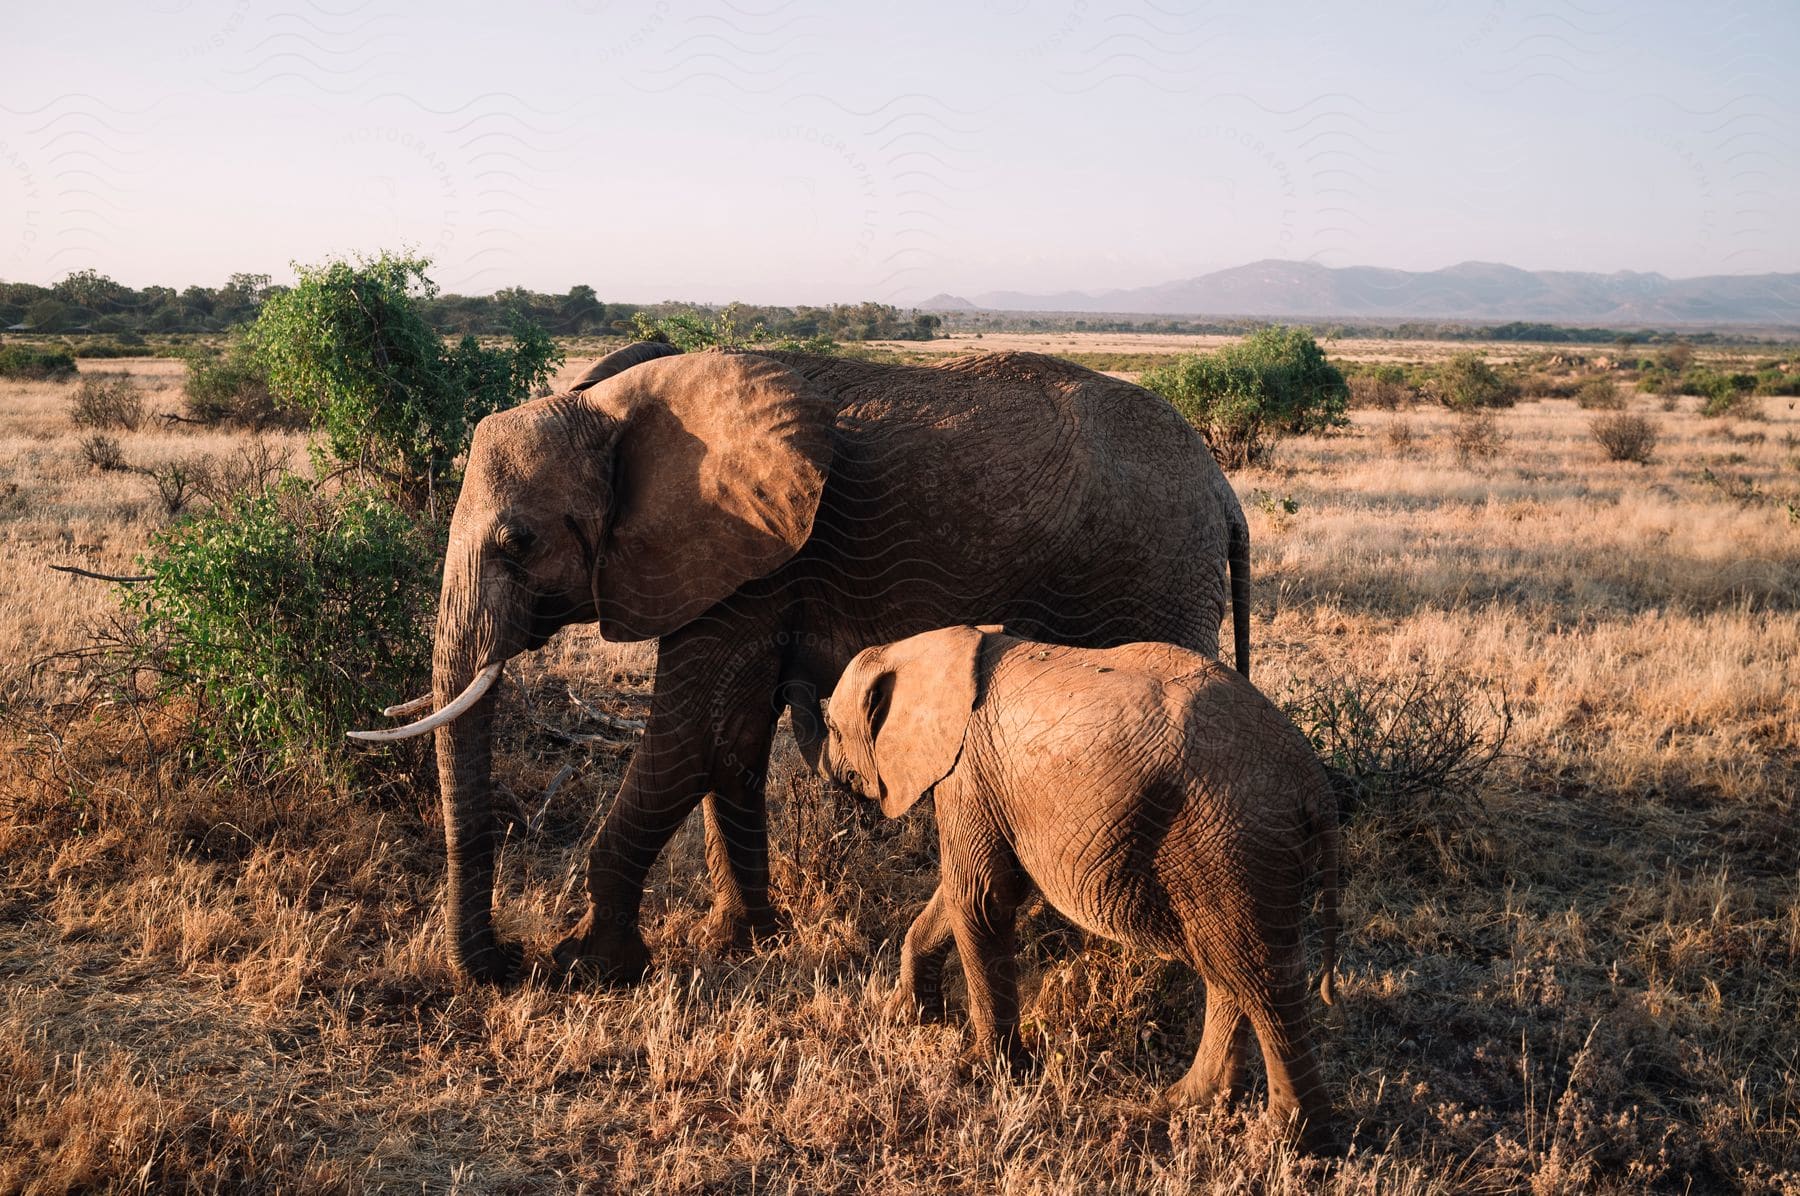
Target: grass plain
(1587,978)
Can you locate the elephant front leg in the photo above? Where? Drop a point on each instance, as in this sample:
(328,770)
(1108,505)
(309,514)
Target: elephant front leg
(711,723)
(983,926)
(606,945)
(922,957)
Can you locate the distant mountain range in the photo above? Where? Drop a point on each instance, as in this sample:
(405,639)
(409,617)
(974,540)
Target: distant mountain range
(1470,291)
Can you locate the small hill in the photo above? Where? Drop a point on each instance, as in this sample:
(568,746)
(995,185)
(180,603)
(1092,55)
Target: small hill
(1467,291)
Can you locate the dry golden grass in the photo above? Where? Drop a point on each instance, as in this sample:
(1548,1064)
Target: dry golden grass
(1163,342)
(56,509)
(1588,982)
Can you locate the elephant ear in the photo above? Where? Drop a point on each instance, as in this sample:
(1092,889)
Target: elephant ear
(718,463)
(917,706)
(620,360)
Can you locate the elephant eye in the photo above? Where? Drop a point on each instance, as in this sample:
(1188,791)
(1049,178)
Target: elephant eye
(515,541)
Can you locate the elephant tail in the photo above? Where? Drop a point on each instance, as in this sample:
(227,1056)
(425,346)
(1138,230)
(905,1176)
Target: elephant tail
(1238,561)
(1328,838)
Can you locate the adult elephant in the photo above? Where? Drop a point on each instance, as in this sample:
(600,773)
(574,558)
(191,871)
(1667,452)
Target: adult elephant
(765,516)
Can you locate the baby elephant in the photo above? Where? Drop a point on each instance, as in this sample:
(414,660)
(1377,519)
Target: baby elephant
(1151,794)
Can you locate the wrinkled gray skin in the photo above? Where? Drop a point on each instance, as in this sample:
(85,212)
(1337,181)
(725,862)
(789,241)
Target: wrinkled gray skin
(766,516)
(1150,794)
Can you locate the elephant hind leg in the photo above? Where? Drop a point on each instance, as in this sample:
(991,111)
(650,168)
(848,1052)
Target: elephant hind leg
(737,859)
(1297,1093)
(1218,1068)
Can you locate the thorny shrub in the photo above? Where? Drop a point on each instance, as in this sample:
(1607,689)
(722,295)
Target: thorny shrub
(175,483)
(102,452)
(1385,387)
(219,479)
(1477,436)
(1599,393)
(107,401)
(1467,381)
(1400,437)
(1625,436)
(1410,747)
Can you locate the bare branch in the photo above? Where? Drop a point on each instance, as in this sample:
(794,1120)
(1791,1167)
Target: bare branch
(605,719)
(128,579)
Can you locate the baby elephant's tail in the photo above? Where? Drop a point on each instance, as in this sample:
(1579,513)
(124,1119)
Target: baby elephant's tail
(1326,835)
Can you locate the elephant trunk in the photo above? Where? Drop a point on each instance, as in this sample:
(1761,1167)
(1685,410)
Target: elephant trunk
(465,645)
(464,759)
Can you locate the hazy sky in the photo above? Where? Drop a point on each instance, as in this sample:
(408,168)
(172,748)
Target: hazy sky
(812,150)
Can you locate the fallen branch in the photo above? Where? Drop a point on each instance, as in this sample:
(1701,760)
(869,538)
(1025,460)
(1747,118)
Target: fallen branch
(578,739)
(536,821)
(128,579)
(605,719)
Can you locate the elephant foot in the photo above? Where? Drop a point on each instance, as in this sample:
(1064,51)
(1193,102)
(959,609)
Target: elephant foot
(612,959)
(920,1004)
(1011,1057)
(1184,1094)
(1318,1135)
(492,962)
(728,932)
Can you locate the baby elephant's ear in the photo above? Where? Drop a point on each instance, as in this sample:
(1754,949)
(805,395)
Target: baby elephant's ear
(919,711)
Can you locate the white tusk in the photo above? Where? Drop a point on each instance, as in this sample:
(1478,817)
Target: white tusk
(484,681)
(412,707)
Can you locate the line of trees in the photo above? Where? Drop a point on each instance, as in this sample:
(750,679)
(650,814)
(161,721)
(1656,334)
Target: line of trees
(90,302)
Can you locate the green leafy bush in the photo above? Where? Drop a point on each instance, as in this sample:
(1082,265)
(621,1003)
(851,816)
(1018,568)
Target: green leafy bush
(349,347)
(107,401)
(688,332)
(1724,394)
(1384,386)
(280,613)
(1773,380)
(28,363)
(113,349)
(233,388)
(1275,381)
(1467,381)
